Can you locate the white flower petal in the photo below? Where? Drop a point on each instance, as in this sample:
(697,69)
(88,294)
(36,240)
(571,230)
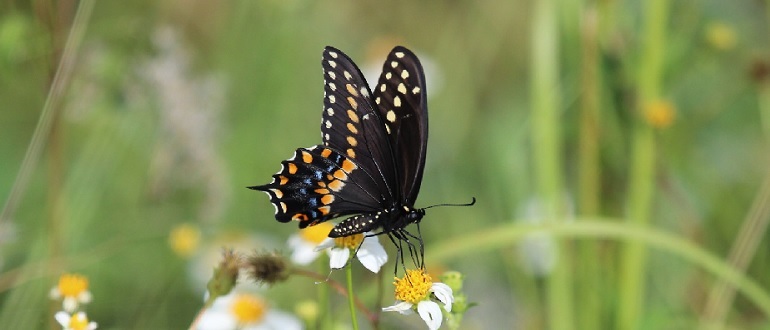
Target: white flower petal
(430,312)
(85,297)
(325,244)
(70,304)
(444,294)
(302,251)
(403,307)
(63,318)
(371,254)
(217,320)
(338,257)
(277,320)
(54,293)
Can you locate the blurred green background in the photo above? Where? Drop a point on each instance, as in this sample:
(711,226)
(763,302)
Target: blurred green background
(637,114)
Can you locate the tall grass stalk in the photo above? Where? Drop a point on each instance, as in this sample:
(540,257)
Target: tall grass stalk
(547,152)
(642,174)
(54,98)
(588,168)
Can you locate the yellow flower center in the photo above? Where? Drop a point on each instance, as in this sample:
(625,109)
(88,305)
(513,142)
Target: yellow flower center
(248,309)
(78,321)
(72,285)
(316,234)
(184,239)
(660,114)
(414,287)
(350,242)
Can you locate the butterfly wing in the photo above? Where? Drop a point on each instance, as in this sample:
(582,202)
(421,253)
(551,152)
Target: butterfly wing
(317,184)
(400,98)
(351,125)
(354,171)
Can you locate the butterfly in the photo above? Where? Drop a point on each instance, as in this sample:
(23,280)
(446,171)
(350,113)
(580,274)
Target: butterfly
(372,158)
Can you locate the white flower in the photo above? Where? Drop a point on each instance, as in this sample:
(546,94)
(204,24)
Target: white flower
(370,252)
(303,244)
(78,321)
(245,312)
(415,289)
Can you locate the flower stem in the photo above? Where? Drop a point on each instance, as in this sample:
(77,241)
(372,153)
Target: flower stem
(351,297)
(323,321)
(322,279)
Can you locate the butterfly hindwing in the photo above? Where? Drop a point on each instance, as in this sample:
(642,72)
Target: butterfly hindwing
(400,97)
(317,184)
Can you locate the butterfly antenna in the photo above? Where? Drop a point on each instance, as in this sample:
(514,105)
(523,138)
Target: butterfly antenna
(467,204)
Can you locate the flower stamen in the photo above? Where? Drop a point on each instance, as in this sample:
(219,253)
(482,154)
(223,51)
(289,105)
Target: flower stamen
(351,242)
(414,287)
(72,285)
(248,309)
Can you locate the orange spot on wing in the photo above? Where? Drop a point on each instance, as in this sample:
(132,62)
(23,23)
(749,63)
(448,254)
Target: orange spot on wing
(340,174)
(326,153)
(307,157)
(328,199)
(292,168)
(336,185)
(324,210)
(348,166)
(322,191)
(283,180)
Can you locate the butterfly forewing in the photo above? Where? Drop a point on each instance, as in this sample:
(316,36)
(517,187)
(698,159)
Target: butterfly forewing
(351,125)
(400,97)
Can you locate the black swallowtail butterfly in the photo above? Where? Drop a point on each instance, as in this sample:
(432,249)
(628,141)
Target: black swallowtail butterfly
(372,157)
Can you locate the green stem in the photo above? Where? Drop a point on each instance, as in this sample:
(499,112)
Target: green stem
(589,140)
(642,173)
(323,321)
(504,236)
(351,297)
(546,142)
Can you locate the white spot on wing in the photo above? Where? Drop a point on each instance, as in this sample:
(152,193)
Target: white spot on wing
(401,88)
(364,92)
(330,111)
(393,64)
(399,54)
(415,90)
(332,86)
(404,74)
(332,99)
(332,64)
(382,88)
(328,124)
(333,54)
(397,101)
(391,116)
(388,75)
(347,75)
(332,74)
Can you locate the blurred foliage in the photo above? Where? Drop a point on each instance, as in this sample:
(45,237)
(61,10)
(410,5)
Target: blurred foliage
(175,107)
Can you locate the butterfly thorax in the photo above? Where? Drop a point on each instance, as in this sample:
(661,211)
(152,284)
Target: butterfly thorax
(401,216)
